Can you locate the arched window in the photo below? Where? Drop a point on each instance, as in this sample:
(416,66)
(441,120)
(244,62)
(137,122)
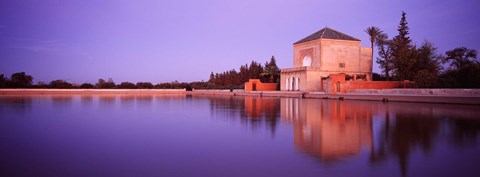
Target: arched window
(307,60)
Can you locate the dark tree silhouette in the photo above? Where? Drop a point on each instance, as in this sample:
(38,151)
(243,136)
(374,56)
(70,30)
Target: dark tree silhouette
(373,32)
(402,51)
(384,58)
(105,84)
(460,57)
(464,70)
(87,85)
(127,85)
(427,66)
(20,80)
(271,71)
(60,84)
(144,85)
(3,81)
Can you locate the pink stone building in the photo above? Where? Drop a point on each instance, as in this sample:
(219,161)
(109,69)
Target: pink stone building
(323,53)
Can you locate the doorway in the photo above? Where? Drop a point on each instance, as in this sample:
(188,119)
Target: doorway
(338,86)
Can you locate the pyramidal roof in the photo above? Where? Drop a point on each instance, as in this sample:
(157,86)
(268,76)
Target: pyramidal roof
(327,33)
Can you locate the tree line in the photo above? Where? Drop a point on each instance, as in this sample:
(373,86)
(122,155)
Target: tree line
(400,59)
(268,73)
(226,80)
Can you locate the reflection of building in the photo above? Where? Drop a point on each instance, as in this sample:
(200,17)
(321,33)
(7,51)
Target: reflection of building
(330,130)
(323,53)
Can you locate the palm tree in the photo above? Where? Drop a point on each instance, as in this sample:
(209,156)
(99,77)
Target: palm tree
(273,71)
(373,32)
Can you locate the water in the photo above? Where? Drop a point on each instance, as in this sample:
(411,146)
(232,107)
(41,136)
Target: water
(178,135)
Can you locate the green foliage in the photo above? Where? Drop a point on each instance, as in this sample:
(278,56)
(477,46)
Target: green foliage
(40,85)
(402,52)
(87,86)
(20,80)
(127,85)
(461,57)
(378,77)
(464,70)
(373,32)
(144,85)
(174,85)
(235,80)
(60,84)
(426,66)
(271,71)
(384,58)
(399,59)
(105,84)
(3,81)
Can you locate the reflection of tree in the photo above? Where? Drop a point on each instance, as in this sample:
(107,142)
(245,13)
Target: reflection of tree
(252,111)
(410,131)
(406,132)
(262,110)
(464,131)
(86,99)
(144,99)
(15,102)
(62,100)
(407,127)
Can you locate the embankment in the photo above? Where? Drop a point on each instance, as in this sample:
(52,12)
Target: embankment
(444,96)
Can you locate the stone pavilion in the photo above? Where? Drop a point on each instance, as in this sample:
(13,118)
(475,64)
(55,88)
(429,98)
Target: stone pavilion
(321,54)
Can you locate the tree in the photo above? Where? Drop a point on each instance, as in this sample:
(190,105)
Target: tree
(60,84)
(461,56)
(212,77)
(255,70)
(384,58)
(3,81)
(464,70)
(105,85)
(401,51)
(373,32)
(144,85)
(271,70)
(41,84)
(427,65)
(378,77)
(127,85)
(86,85)
(21,80)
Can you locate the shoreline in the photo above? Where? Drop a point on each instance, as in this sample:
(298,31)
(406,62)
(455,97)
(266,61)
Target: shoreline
(414,98)
(89,91)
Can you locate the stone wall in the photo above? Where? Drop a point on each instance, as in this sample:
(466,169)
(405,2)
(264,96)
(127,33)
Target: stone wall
(336,52)
(349,85)
(336,83)
(411,91)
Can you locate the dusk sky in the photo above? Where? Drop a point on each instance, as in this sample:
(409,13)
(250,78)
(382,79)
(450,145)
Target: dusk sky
(166,40)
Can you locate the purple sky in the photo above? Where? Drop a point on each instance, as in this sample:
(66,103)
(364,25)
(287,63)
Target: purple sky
(166,40)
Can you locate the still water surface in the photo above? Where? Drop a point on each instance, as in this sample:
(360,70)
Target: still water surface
(178,135)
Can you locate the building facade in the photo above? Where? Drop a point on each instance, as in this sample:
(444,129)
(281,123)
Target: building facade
(323,53)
